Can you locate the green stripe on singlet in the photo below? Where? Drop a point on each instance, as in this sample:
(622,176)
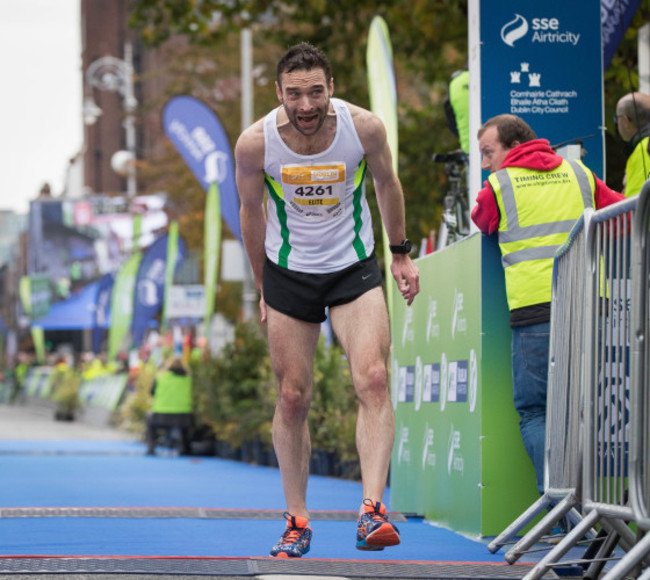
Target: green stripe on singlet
(359,176)
(276,193)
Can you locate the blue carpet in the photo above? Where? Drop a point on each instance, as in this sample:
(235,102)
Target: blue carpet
(118,474)
(221,538)
(98,481)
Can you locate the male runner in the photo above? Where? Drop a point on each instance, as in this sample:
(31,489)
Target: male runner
(312,247)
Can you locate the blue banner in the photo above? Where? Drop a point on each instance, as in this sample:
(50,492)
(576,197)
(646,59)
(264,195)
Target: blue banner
(150,285)
(102,309)
(541,62)
(199,137)
(615,16)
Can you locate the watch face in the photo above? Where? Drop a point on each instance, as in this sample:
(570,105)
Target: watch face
(407,246)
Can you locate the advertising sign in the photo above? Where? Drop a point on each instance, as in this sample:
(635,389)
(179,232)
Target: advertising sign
(211,247)
(383,102)
(150,284)
(186,301)
(201,140)
(122,305)
(103,310)
(616,17)
(458,458)
(543,62)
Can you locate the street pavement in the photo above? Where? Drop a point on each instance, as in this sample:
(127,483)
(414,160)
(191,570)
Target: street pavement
(36,423)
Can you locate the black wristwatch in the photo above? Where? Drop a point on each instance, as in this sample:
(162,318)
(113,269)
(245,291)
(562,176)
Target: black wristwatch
(403,248)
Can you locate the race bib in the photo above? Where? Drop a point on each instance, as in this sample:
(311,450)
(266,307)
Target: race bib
(315,191)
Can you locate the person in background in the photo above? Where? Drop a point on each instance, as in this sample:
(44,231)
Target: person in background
(530,201)
(633,124)
(457,107)
(312,247)
(23,362)
(93,367)
(172,403)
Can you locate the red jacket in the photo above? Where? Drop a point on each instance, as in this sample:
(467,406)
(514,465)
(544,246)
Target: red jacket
(536,155)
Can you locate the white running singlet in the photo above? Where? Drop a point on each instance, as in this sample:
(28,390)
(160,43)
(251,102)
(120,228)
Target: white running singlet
(318,218)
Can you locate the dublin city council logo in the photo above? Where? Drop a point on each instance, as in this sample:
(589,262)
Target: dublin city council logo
(514,30)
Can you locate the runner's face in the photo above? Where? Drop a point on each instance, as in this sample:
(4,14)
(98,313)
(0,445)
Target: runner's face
(305,96)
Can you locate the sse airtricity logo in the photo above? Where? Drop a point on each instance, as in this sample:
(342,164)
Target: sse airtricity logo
(514,30)
(544,31)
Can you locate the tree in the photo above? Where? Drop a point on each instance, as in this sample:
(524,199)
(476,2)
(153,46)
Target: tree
(339,28)
(429,39)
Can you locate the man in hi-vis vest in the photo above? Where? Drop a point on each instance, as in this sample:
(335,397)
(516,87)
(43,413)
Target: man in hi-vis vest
(172,403)
(531,201)
(633,124)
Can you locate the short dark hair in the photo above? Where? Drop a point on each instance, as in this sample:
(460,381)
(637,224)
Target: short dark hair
(303,56)
(510,129)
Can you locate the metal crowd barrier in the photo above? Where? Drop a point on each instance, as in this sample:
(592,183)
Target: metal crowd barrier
(639,404)
(563,449)
(597,464)
(604,497)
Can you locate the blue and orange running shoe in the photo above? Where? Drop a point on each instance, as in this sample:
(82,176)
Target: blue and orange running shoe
(296,538)
(374,531)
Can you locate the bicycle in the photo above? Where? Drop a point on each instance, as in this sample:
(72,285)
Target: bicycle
(454,224)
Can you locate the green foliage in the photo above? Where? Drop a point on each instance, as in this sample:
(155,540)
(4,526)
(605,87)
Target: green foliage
(429,39)
(429,44)
(333,411)
(132,414)
(204,21)
(234,392)
(234,395)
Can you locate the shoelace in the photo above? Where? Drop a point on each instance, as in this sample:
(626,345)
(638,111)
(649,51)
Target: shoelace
(292,535)
(376,515)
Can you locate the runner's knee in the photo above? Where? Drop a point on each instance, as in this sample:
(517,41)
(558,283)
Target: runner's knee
(293,403)
(372,384)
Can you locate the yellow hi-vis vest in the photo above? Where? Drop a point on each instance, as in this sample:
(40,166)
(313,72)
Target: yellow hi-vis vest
(173,393)
(637,168)
(538,210)
(459,100)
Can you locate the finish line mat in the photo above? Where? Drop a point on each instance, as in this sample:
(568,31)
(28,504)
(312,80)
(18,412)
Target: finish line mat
(161,512)
(235,567)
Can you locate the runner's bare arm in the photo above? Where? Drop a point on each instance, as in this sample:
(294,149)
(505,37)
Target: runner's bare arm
(249,160)
(390,196)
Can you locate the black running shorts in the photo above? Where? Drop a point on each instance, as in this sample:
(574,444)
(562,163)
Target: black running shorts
(305,296)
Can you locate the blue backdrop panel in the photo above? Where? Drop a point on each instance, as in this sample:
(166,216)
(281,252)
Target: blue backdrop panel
(542,62)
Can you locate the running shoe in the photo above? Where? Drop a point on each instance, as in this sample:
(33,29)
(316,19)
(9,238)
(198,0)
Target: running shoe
(295,540)
(374,531)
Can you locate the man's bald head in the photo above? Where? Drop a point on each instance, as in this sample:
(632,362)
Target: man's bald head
(632,113)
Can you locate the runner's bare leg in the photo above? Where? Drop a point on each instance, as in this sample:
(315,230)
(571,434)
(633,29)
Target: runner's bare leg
(292,345)
(362,328)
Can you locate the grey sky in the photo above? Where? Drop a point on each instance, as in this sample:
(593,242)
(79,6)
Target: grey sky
(40,100)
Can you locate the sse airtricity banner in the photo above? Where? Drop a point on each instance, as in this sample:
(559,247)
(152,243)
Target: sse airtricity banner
(102,310)
(542,61)
(150,284)
(201,140)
